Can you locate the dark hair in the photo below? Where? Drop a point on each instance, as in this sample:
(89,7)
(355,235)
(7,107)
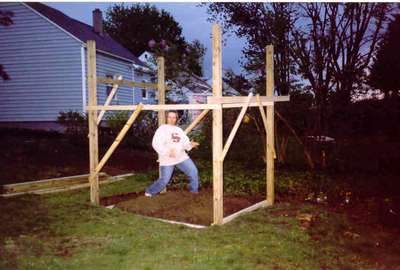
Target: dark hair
(173,111)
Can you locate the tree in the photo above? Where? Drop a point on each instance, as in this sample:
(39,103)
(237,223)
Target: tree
(142,28)
(333,48)
(386,67)
(261,24)
(5,20)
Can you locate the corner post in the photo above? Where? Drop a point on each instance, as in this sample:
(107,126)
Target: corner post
(269,74)
(217,128)
(92,118)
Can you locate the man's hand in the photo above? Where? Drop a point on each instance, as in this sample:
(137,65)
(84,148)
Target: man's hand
(194,144)
(172,153)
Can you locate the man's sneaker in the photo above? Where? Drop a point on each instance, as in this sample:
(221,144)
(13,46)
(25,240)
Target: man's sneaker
(148,194)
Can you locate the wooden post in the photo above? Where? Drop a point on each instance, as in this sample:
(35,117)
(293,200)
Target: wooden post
(92,118)
(264,118)
(217,128)
(269,71)
(161,88)
(161,96)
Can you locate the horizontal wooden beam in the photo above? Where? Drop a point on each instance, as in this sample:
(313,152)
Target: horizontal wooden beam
(246,210)
(105,80)
(162,107)
(243,99)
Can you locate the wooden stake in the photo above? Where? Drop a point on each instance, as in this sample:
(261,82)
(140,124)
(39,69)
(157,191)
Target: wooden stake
(270,125)
(108,101)
(92,119)
(235,127)
(196,121)
(217,128)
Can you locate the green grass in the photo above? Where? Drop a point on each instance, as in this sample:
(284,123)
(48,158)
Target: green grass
(62,231)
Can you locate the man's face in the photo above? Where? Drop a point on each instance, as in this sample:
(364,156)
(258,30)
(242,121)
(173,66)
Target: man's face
(172,118)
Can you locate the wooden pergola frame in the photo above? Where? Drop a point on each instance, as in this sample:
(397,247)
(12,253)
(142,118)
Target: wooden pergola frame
(216,103)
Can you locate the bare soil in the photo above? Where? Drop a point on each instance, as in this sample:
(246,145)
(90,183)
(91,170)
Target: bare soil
(180,205)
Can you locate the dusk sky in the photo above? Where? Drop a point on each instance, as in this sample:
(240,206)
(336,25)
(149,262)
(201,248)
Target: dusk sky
(192,18)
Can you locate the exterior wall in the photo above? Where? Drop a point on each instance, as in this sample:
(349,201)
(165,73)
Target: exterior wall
(44,64)
(151,93)
(48,69)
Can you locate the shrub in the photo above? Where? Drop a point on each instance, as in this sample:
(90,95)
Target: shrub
(75,124)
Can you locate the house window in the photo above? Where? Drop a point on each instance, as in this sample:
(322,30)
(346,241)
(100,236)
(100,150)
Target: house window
(144,94)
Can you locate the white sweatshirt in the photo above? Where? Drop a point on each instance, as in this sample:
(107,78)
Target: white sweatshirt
(169,137)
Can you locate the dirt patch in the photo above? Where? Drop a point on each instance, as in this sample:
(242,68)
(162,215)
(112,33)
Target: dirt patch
(180,205)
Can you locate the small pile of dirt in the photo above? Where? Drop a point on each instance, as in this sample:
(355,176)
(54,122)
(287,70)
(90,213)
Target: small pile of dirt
(180,205)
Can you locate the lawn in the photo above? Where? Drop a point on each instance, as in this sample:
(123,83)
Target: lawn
(62,231)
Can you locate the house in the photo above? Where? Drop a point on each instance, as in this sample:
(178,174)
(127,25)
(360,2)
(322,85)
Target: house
(44,54)
(188,88)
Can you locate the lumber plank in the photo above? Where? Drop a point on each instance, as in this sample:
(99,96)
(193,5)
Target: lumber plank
(48,183)
(108,100)
(246,210)
(218,211)
(161,98)
(270,125)
(196,121)
(264,118)
(156,107)
(118,139)
(92,119)
(104,80)
(241,99)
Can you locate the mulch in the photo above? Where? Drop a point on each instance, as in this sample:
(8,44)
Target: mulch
(180,205)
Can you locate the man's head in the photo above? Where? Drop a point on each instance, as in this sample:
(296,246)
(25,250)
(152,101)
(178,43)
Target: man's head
(172,117)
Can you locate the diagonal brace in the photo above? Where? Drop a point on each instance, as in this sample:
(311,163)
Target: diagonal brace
(117,141)
(109,99)
(196,121)
(235,127)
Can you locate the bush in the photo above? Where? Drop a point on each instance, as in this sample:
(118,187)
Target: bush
(139,135)
(75,124)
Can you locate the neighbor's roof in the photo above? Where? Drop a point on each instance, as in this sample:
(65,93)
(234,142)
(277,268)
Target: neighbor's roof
(84,32)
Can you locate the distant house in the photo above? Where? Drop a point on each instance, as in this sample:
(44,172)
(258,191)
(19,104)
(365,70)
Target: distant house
(44,53)
(188,88)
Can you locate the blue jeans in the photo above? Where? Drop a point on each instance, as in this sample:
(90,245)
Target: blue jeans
(187,167)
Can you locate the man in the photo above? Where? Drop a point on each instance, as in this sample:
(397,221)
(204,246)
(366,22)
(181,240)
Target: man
(171,144)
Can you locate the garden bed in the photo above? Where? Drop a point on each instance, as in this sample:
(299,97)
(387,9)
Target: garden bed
(180,205)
